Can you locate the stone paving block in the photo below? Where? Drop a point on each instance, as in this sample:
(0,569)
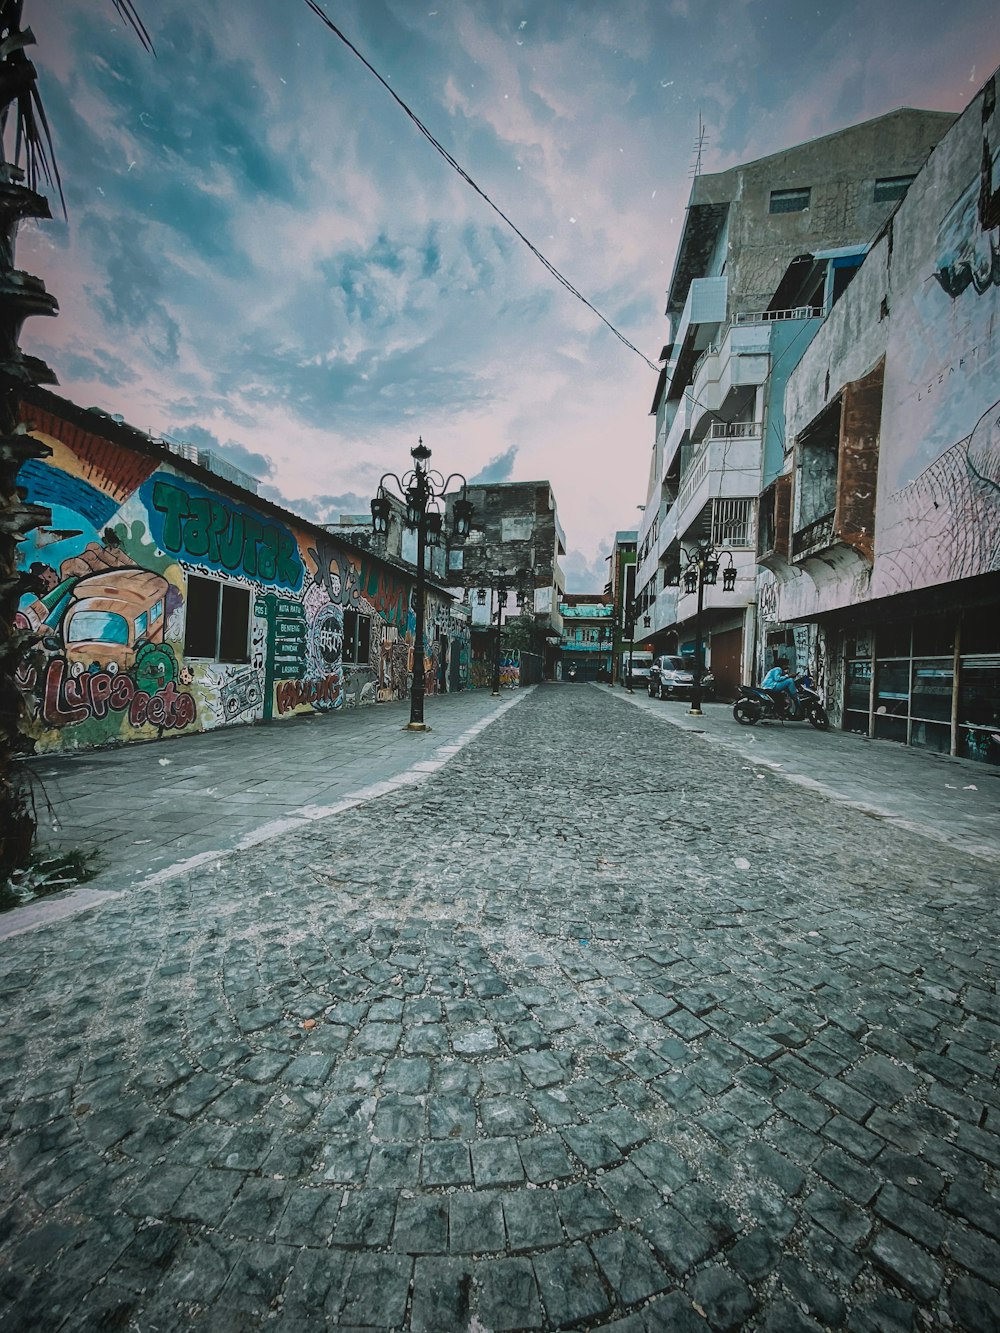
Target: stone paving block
(421,1226)
(365,1219)
(376,1291)
(974,1251)
(662,1165)
(507,1295)
(445,1163)
(394,1164)
(727,1301)
(345,1162)
(570,1286)
(679,1243)
(309,1217)
(442,1295)
(630,1192)
(807,1110)
(532,1220)
(835,1214)
(257,1278)
(814,1295)
(583,1210)
(451,1116)
(785,1174)
(754,1256)
(907,1263)
(629,1267)
(496,1162)
(853,1137)
(907,1214)
(476,1224)
(545,1159)
(593,1148)
(974,1305)
(856,1181)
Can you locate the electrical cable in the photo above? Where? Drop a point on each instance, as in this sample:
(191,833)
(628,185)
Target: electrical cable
(456,166)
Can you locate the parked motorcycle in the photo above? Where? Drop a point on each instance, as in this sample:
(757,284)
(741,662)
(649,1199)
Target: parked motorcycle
(754,705)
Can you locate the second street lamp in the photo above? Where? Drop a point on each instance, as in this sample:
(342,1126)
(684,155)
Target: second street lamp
(703,568)
(500,583)
(423,490)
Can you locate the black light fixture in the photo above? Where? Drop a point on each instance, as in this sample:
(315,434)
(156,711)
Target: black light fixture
(501,583)
(702,570)
(423,490)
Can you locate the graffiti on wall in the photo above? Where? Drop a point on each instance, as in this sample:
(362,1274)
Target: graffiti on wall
(938,516)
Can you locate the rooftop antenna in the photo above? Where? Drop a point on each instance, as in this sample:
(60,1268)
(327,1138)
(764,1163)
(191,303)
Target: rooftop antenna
(699,147)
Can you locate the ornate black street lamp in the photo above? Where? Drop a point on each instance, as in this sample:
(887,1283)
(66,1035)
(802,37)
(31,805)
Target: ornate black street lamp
(702,568)
(423,490)
(501,582)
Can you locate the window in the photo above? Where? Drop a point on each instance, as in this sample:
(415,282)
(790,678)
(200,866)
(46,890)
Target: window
(217,621)
(732,522)
(789,201)
(890,188)
(357,638)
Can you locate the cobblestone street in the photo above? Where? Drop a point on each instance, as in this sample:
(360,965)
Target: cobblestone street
(599,1026)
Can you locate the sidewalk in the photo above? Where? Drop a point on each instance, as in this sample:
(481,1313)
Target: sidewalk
(151,810)
(952,800)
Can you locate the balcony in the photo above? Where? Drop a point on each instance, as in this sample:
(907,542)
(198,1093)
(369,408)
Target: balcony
(816,536)
(727,463)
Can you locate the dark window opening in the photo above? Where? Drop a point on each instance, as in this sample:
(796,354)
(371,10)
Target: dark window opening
(217,621)
(890,188)
(789,201)
(357,639)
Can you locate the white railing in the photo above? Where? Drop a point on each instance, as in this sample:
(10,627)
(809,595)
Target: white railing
(693,478)
(769,316)
(734,430)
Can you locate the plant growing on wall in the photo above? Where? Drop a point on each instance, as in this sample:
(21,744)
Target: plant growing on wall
(27,161)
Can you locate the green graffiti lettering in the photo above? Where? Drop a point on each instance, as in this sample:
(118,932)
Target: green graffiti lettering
(172,503)
(289,566)
(231,543)
(254,531)
(217,529)
(196,527)
(267,553)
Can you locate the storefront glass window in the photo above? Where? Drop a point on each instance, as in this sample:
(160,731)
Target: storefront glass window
(933,681)
(979,707)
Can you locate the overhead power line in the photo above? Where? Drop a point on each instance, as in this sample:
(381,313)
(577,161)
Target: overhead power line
(456,166)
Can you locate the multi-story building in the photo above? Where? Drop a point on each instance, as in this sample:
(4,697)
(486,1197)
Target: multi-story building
(767,248)
(588,635)
(515,526)
(881,535)
(621,587)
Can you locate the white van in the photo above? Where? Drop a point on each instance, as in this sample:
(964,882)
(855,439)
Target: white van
(641,662)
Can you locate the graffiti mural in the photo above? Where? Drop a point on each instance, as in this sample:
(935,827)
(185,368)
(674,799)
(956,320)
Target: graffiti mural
(938,501)
(162,605)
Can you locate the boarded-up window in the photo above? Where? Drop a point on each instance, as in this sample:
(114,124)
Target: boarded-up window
(217,620)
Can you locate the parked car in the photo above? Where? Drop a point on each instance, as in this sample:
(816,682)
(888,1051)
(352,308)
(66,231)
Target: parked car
(636,675)
(671,677)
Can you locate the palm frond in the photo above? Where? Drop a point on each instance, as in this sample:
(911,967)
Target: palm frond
(131,16)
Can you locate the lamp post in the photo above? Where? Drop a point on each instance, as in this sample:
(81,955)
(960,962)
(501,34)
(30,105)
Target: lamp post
(423,489)
(703,568)
(501,581)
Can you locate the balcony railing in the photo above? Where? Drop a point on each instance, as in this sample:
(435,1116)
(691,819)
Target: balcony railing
(693,477)
(769,316)
(734,430)
(814,537)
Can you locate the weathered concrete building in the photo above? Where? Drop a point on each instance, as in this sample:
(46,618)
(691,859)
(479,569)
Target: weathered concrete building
(767,249)
(515,526)
(168,600)
(882,535)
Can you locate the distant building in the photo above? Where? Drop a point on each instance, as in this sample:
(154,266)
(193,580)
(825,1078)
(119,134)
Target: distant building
(588,635)
(515,526)
(621,588)
(767,249)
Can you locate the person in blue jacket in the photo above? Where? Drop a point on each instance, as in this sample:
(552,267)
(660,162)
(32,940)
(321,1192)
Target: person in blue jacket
(778,682)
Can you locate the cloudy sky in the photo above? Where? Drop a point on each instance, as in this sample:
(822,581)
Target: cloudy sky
(264,255)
